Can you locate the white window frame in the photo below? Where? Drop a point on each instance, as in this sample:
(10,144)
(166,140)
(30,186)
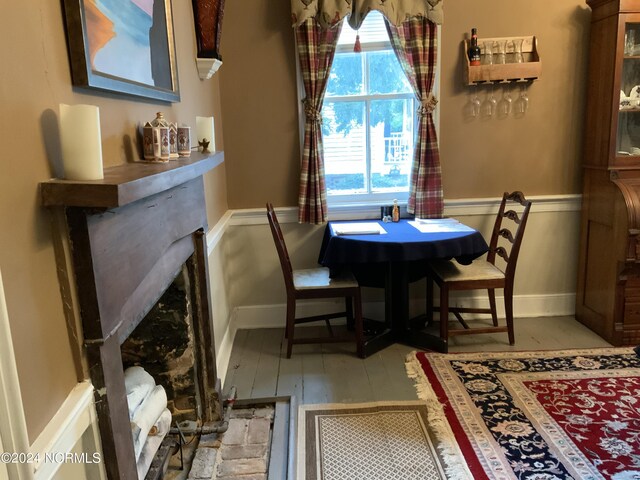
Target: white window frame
(351,202)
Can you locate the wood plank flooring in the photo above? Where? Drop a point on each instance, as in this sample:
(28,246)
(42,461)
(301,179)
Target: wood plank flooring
(332,373)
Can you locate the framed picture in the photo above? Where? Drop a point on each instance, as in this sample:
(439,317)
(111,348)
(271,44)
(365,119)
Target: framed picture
(124,46)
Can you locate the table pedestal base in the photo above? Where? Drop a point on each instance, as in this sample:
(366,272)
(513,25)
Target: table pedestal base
(414,337)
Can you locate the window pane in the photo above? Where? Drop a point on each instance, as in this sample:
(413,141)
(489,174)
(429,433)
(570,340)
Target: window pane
(385,74)
(391,131)
(346,75)
(345,150)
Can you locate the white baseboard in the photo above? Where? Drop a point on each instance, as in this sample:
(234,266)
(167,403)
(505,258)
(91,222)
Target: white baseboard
(525,306)
(273,316)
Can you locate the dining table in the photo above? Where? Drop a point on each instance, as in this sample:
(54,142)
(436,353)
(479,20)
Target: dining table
(392,255)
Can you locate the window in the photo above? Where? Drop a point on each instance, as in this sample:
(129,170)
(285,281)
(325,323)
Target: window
(368,118)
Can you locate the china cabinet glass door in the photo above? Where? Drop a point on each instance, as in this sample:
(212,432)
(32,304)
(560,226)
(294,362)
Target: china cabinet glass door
(628,142)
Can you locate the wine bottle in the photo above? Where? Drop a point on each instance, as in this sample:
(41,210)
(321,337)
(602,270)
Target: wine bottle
(474,49)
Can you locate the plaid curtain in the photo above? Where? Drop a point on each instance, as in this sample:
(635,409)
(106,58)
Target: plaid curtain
(415,43)
(316,49)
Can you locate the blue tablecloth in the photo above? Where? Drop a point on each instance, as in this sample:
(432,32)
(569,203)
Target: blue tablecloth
(401,243)
(367,255)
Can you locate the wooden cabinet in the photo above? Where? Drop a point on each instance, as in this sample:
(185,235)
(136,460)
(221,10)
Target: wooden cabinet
(608,293)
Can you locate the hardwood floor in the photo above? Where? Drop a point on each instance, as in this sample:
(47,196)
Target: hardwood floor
(332,373)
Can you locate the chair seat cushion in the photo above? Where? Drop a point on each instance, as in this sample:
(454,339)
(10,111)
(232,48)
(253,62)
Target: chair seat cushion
(451,271)
(319,278)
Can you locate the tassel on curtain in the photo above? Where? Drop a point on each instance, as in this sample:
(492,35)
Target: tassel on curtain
(357,47)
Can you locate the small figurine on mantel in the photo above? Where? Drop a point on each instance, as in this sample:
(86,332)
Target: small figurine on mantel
(157,142)
(205,133)
(204,143)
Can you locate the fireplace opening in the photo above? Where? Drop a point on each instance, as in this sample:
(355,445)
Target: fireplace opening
(163,344)
(161,374)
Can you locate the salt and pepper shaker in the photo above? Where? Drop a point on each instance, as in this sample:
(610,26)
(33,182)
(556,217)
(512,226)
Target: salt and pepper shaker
(395,213)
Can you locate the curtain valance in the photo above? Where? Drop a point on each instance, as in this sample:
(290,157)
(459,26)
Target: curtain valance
(330,12)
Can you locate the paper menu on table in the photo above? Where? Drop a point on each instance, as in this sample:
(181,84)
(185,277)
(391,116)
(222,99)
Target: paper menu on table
(439,225)
(364,228)
(437,221)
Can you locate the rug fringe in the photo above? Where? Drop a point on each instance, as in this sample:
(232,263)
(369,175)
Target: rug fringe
(455,466)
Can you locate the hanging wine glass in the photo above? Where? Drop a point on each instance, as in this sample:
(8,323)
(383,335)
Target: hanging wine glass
(489,105)
(475,102)
(506,103)
(523,100)
(472,107)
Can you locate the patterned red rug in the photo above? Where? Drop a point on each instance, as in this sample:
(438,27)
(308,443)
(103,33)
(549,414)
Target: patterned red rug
(541,415)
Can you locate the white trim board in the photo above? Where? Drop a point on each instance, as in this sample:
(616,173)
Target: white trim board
(223,355)
(13,427)
(65,429)
(215,234)
(452,208)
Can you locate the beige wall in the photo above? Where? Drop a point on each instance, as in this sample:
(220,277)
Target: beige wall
(34,79)
(260,104)
(538,153)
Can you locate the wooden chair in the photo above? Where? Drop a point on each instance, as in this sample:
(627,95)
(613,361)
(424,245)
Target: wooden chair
(482,274)
(316,283)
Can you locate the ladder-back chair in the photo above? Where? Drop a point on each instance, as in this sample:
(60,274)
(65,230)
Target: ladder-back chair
(482,274)
(316,283)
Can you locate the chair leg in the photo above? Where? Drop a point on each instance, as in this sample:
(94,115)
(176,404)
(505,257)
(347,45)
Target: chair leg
(359,325)
(329,327)
(508,308)
(429,312)
(348,301)
(444,312)
(291,320)
(492,306)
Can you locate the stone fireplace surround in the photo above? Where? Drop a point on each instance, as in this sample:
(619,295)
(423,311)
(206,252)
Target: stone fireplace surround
(131,234)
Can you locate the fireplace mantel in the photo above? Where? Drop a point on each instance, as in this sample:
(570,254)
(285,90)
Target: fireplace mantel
(127,183)
(130,235)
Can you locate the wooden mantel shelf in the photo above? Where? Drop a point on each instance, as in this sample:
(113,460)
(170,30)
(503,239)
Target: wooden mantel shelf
(124,184)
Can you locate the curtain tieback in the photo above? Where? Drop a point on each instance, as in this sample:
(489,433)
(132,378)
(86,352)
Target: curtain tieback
(311,111)
(428,106)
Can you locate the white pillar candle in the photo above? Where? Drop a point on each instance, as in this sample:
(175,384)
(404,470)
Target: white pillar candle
(81,142)
(204,129)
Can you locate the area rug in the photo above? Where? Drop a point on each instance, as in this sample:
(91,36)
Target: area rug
(540,415)
(375,441)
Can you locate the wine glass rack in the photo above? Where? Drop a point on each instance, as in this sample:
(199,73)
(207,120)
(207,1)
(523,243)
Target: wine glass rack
(527,71)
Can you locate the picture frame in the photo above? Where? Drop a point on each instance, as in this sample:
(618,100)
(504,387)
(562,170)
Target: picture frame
(123,46)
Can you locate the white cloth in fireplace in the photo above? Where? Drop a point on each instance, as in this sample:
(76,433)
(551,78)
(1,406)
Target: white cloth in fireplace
(138,385)
(146,416)
(147,403)
(161,428)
